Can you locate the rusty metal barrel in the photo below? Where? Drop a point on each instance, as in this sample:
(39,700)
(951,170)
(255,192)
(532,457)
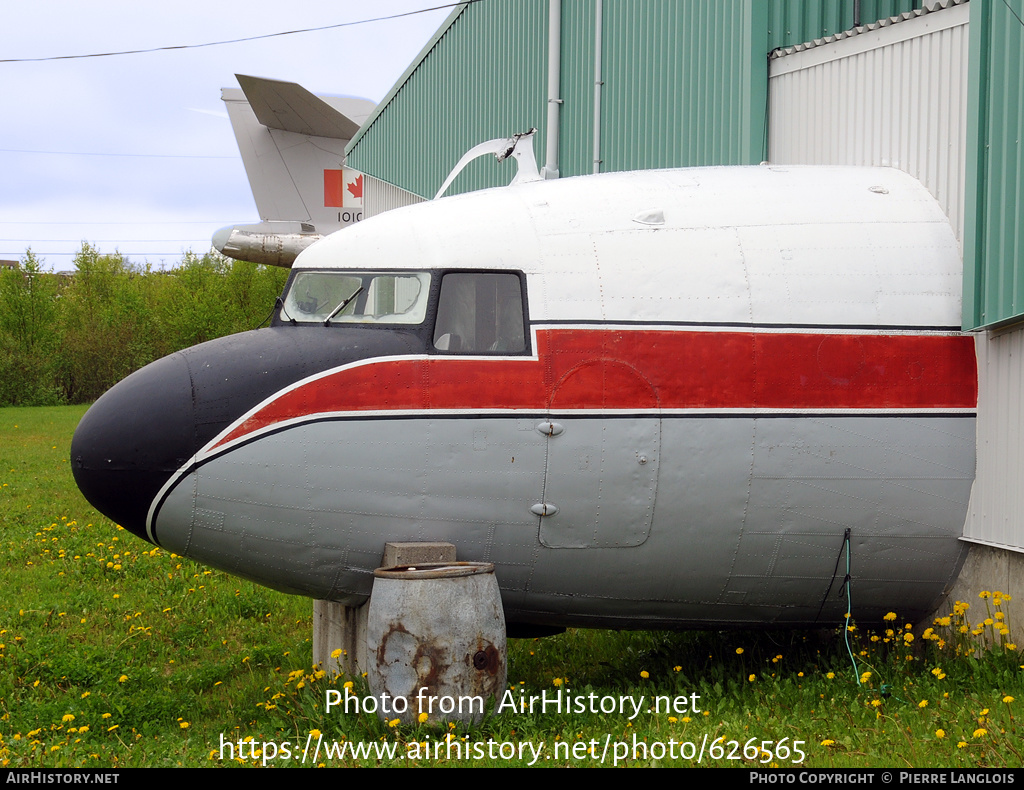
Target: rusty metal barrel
(436,642)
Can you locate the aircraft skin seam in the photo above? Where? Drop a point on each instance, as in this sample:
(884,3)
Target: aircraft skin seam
(196,462)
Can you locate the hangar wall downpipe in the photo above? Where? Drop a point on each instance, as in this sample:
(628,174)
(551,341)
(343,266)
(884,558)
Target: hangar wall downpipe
(550,169)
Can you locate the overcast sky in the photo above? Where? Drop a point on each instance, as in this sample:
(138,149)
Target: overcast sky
(73,114)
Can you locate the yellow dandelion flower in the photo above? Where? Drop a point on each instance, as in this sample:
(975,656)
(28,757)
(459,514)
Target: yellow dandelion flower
(752,678)
(739,651)
(890,616)
(393,723)
(672,719)
(978,733)
(677,669)
(923,704)
(122,679)
(105,716)
(961,744)
(183,724)
(314,733)
(423,717)
(876,702)
(1007,699)
(940,733)
(984,594)
(827,742)
(830,675)
(67,717)
(644,674)
(335,654)
(558,681)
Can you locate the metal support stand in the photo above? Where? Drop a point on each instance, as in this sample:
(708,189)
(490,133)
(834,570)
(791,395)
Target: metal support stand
(340,627)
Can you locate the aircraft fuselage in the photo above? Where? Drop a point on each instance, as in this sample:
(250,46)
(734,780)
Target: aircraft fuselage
(651,399)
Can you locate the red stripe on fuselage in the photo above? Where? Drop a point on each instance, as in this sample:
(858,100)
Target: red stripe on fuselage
(644,369)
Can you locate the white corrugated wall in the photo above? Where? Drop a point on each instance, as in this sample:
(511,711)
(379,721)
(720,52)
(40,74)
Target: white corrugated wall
(897,96)
(380,196)
(996,514)
(891,96)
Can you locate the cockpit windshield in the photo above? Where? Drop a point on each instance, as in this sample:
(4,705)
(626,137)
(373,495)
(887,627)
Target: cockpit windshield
(346,297)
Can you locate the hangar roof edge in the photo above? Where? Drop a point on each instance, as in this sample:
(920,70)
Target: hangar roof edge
(940,5)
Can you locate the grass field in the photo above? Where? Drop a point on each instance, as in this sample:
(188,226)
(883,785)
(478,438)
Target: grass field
(116,653)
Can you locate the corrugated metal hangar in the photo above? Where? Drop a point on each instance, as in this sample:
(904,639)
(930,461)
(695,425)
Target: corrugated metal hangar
(931,88)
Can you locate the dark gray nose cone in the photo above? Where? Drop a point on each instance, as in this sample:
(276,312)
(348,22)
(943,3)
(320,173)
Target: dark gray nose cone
(133,439)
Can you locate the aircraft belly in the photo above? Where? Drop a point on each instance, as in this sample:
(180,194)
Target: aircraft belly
(747,527)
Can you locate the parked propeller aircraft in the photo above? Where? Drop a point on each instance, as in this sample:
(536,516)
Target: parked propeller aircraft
(652,399)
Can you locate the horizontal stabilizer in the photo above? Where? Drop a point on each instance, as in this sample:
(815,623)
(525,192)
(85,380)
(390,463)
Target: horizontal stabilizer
(291,108)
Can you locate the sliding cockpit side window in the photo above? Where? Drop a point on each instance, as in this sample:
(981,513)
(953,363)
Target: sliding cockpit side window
(347,297)
(480,313)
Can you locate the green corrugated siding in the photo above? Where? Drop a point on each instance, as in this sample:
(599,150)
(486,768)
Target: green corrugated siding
(799,21)
(486,77)
(684,84)
(576,127)
(994,215)
(680,84)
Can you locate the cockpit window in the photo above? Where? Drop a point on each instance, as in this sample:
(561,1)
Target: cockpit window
(480,313)
(357,297)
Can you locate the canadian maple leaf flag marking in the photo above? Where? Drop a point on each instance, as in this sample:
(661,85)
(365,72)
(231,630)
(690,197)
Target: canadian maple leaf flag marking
(343,188)
(356,187)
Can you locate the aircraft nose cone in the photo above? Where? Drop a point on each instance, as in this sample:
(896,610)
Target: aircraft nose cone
(133,439)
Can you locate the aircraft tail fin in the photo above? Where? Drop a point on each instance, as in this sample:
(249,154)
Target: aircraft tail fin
(293,147)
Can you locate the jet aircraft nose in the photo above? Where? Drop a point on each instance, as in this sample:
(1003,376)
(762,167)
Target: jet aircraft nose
(133,439)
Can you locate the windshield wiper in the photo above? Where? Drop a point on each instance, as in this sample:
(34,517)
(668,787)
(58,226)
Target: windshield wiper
(342,306)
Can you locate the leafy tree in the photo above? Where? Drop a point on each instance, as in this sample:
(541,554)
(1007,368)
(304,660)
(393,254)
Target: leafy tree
(69,339)
(29,311)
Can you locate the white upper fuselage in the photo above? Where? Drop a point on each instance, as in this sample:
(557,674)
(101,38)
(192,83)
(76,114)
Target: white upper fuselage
(789,246)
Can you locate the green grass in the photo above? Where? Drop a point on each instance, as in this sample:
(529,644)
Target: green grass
(113,653)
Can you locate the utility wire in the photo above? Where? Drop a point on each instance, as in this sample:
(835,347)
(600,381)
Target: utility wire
(1010,9)
(240,40)
(126,222)
(100,153)
(100,241)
